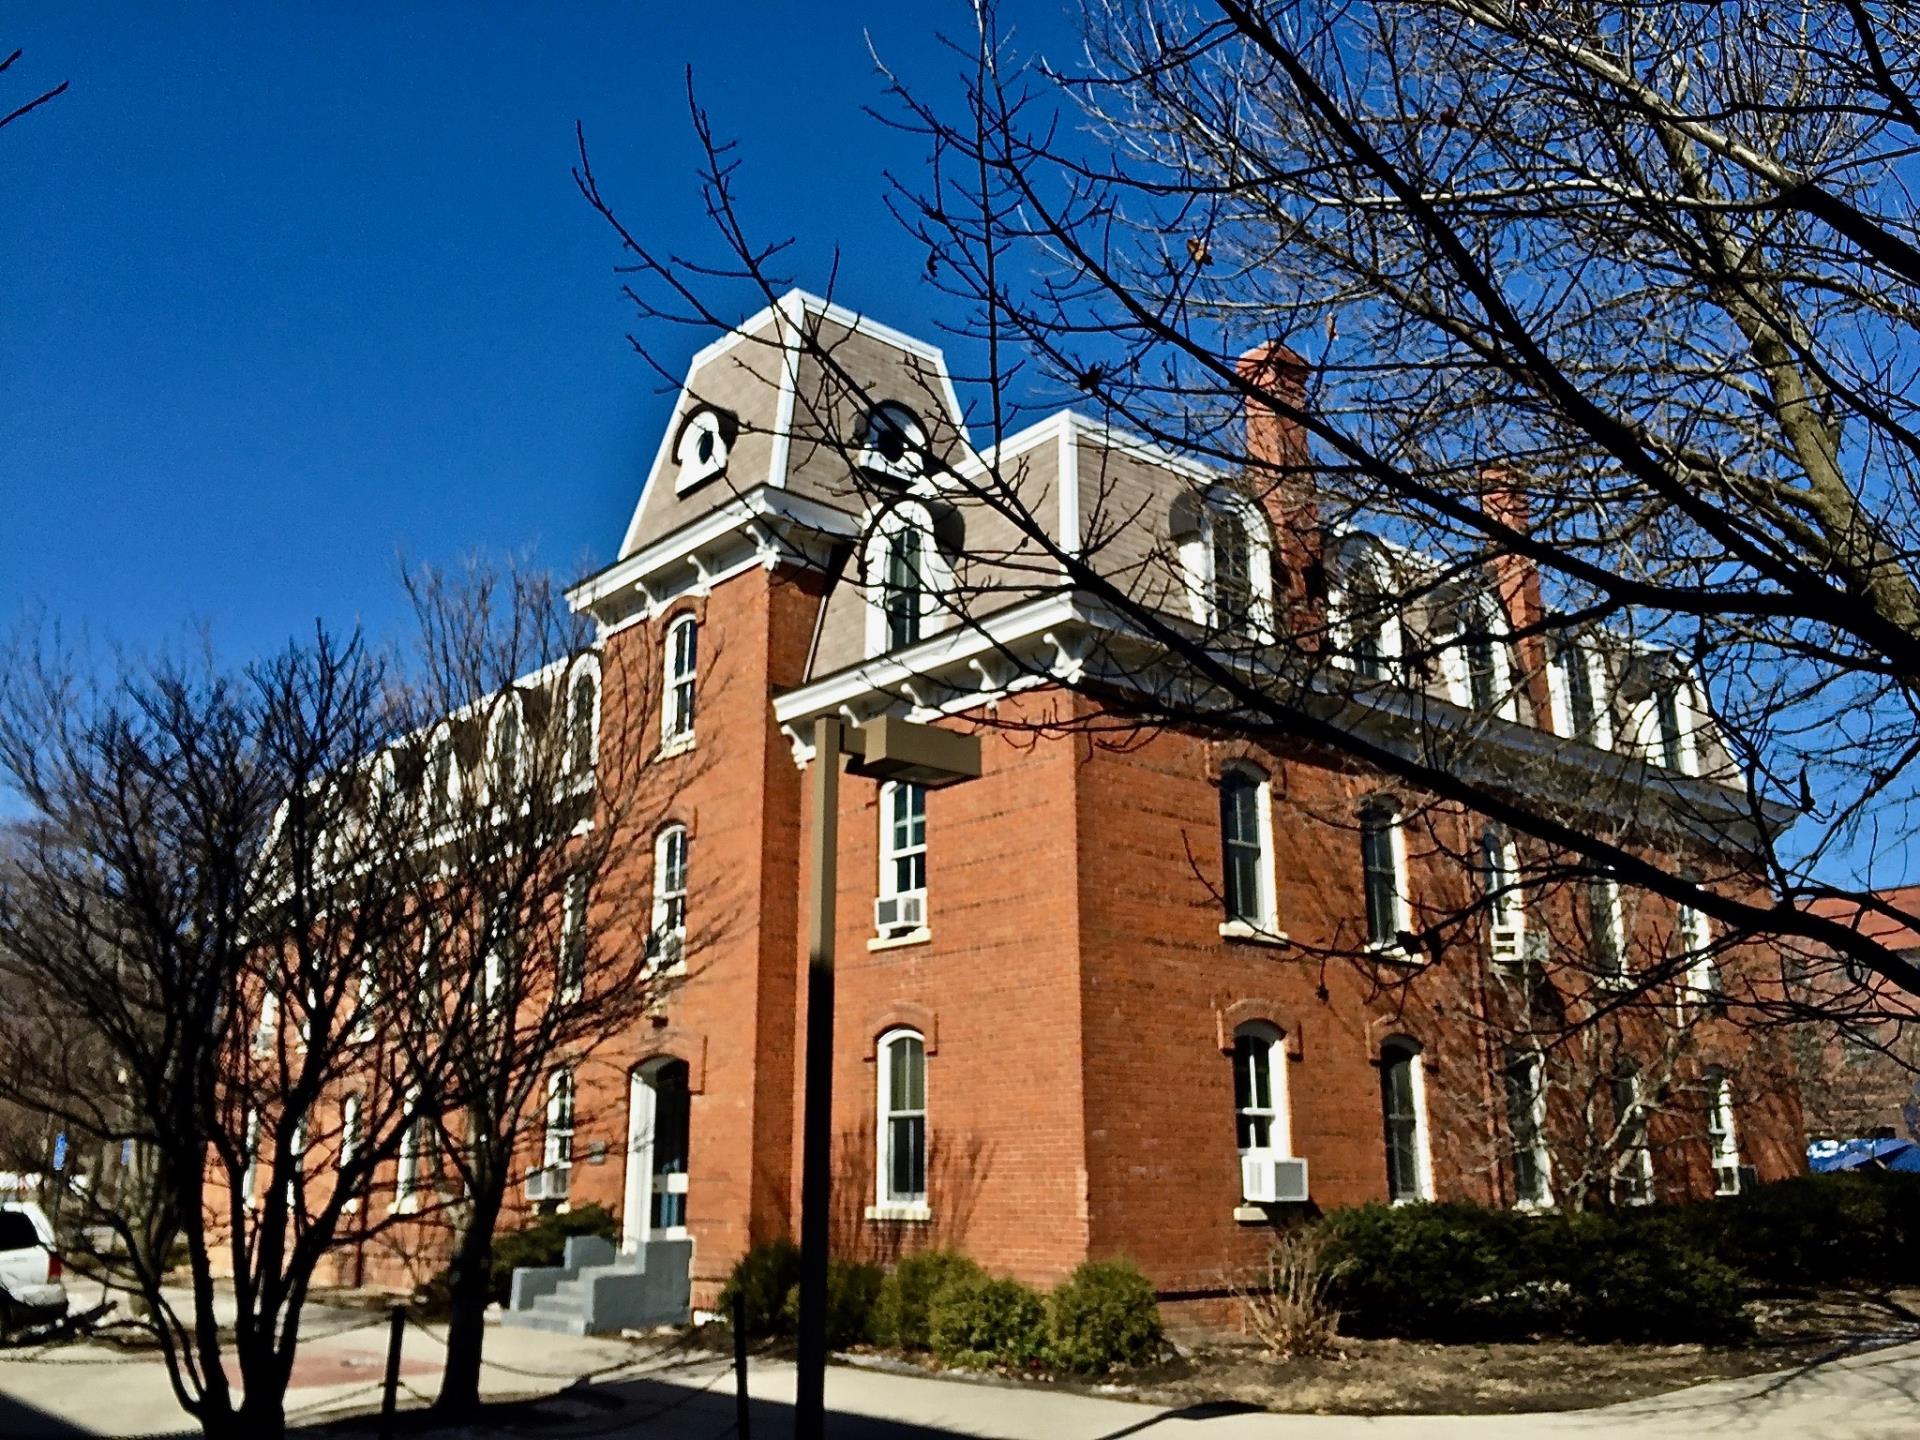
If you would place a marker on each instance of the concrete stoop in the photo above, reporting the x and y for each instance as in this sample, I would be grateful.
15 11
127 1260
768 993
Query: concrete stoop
597 1290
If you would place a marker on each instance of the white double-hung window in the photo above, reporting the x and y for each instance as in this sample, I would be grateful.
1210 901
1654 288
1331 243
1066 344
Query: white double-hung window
902 1130
1263 1129
902 906
1723 1139
556 1154
1246 848
682 665
669 896
1383 864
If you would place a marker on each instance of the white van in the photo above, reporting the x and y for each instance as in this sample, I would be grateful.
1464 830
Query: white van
31 1292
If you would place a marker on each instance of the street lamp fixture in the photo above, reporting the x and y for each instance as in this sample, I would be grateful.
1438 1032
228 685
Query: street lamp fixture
886 749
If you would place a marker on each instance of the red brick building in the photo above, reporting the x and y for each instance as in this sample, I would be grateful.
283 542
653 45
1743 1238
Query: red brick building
1086 1002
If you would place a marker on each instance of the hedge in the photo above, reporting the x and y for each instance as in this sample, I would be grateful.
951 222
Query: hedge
978 1322
1103 1317
1861 1228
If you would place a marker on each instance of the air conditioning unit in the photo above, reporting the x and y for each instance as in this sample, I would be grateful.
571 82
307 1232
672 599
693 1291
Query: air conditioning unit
666 948
1273 1180
549 1183
1506 943
905 911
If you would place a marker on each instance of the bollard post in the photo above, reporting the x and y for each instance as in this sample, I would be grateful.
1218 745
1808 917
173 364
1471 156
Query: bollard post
740 1366
390 1394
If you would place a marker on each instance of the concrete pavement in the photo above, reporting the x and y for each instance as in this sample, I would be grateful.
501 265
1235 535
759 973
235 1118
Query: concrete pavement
613 1387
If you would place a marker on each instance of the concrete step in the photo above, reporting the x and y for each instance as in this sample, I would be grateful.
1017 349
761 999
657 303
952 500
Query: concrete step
562 1324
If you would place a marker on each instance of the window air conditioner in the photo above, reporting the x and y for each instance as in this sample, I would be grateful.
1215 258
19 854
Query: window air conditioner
905 911
1273 1180
665 948
1506 943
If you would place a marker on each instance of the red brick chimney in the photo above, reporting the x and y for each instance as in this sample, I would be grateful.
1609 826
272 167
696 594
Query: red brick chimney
1277 461
1517 583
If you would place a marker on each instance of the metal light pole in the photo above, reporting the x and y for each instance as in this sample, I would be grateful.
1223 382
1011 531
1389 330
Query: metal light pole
884 749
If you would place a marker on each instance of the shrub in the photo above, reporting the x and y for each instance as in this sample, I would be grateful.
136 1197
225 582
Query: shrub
900 1313
979 1322
544 1243
853 1290
760 1281
1447 1272
1288 1305
1814 1229
1102 1317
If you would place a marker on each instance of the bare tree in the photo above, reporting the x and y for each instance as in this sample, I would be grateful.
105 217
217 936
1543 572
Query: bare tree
193 922
27 107
535 952
1600 321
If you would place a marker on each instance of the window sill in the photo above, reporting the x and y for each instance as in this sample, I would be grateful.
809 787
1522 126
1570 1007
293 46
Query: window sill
1241 930
1392 952
694 478
902 1214
1245 1214
677 745
895 942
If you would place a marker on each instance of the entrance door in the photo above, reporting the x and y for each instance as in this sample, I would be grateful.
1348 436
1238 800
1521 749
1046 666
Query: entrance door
659 1112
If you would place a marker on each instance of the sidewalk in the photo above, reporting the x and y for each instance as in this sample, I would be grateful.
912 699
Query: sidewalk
614 1387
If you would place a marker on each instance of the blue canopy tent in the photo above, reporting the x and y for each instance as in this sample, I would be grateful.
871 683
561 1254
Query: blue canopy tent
1900 1156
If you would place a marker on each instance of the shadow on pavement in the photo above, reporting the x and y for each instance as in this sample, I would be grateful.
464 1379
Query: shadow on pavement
19 1421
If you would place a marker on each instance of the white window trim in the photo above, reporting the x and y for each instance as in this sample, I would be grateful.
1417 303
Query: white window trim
1542 1156
691 469
675 738
1453 660
510 704
1507 909
887 1206
573 936
1723 1134
662 895
1700 980
1197 552
441 806
556 1143
409 1190
911 464
1570 648
888 882
352 1117
1620 975
1266 925
587 671
1637 1157
1402 882
1280 1115
250 1153
1422 1132
266 1029
1369 578
936 575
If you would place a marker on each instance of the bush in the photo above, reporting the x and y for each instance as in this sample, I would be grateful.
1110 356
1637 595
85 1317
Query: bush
760 1280
853 1290
1815 1229
978 1322
1102 1317
544 1243
1448 1272
1288 1306
900 1313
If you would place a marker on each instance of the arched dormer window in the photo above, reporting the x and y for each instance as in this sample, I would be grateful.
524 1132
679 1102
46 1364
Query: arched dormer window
904 575
700 449
583 718
893 442
442 776
1474 659
1367 634
506 748
1226 561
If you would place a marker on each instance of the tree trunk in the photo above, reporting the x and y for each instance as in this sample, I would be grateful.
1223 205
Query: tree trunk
469 1287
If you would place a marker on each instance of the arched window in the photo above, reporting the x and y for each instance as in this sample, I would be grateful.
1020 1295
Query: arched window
1606 931
441 777
583 720
573 939
1500 884
1262 1126
903 578
700 451
1693 937
1246 844
1383 864
1479 674
556 1156
683 659
902 904
1226 554
1723 1139
505 749
1366 631
1633 1156
893 441
1403 1103
902 1130
1525 1078
1576 682
670 885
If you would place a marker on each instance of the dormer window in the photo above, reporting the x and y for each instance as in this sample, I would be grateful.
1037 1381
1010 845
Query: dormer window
903 572
701 448
504 749
893 442
1226 558
1366 632
1475 662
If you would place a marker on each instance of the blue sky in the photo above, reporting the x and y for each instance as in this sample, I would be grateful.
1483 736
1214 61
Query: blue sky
286 296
